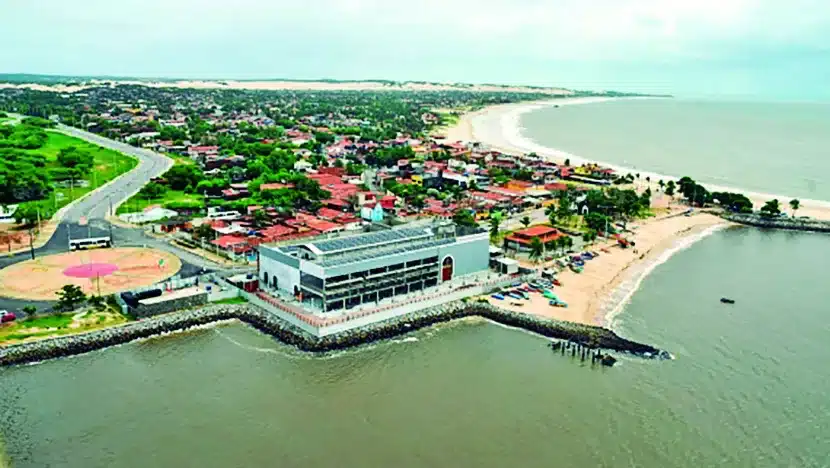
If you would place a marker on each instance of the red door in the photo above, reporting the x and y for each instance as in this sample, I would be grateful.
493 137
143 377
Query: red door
446 269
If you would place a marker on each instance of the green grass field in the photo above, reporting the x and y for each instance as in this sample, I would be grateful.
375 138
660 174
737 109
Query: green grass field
59 324
135 203
108 165
232 300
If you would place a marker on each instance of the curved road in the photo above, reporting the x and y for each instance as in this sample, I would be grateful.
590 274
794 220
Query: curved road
96 206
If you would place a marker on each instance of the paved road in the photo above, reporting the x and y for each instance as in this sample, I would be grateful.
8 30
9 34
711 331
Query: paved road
97 204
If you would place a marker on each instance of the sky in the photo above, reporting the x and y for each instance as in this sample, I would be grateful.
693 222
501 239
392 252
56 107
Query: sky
772 49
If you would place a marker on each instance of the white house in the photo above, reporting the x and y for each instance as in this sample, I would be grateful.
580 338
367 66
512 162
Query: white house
7 214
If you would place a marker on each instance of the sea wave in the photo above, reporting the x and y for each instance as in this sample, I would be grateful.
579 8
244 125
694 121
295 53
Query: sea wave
616 301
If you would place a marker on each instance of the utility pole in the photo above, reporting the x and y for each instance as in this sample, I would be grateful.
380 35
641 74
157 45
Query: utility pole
112 241
31 244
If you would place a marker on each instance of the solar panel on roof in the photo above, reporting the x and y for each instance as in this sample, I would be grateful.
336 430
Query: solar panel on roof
375 253
380 237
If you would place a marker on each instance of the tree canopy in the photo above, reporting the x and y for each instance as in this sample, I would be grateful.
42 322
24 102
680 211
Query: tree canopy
771 208
464 217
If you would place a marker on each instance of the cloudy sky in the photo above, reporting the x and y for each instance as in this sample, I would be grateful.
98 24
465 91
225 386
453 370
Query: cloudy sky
777 49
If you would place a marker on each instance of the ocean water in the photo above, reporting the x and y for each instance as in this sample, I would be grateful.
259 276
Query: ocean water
777 148
748 387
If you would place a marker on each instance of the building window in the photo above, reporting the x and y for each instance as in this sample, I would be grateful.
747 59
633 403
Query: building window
446 269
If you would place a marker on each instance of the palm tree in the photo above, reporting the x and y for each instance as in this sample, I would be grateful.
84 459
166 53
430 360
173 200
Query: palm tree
589 237
661 184
551 212
495 221
566 242
771 208
795 204
537 249
525 221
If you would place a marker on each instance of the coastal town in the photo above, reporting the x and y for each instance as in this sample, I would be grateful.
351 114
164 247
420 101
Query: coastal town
333 210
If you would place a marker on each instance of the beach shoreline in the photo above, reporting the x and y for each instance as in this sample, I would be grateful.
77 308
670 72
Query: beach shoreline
499 127
598 294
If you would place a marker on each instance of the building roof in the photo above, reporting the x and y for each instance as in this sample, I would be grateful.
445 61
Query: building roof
274 186
229 240
276 231
337 202
322 225
537 231
372 239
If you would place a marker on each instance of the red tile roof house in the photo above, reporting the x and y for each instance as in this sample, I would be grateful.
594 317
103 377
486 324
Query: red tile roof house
274 186
520 240
276 233
198 152
234 245
322 226
388 202
334 171
338 204
326 179
556 187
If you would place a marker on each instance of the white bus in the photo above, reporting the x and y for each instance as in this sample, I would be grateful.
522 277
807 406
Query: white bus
90 243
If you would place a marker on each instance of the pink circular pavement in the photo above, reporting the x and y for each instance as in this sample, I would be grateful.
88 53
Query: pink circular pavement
91 270
100 271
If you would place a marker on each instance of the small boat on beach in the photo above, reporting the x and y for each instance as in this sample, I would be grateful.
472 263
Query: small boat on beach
498 296
726 300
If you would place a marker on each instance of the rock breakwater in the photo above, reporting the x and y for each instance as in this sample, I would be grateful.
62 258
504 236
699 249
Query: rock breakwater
792 224
585 335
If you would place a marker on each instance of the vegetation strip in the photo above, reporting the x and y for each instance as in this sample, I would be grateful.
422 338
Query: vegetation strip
585 335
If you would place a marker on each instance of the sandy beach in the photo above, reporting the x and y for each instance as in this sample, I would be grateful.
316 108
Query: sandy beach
599 293
500 128
596 295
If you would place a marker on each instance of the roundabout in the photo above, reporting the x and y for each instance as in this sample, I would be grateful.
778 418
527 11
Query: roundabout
97 272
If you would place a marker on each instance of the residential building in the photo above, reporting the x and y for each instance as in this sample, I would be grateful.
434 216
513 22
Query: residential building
521 240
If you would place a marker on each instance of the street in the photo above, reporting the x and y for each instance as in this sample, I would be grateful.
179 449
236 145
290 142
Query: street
96 206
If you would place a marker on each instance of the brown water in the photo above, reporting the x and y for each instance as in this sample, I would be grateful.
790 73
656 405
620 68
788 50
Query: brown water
748 387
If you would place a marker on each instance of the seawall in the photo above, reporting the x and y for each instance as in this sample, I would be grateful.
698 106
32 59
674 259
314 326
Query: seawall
812 225
585 335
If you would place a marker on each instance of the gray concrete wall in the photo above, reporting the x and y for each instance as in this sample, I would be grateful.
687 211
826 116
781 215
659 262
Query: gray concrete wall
287 274
149 310
470 255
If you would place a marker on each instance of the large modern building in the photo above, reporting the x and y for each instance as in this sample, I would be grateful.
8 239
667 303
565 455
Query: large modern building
342 273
